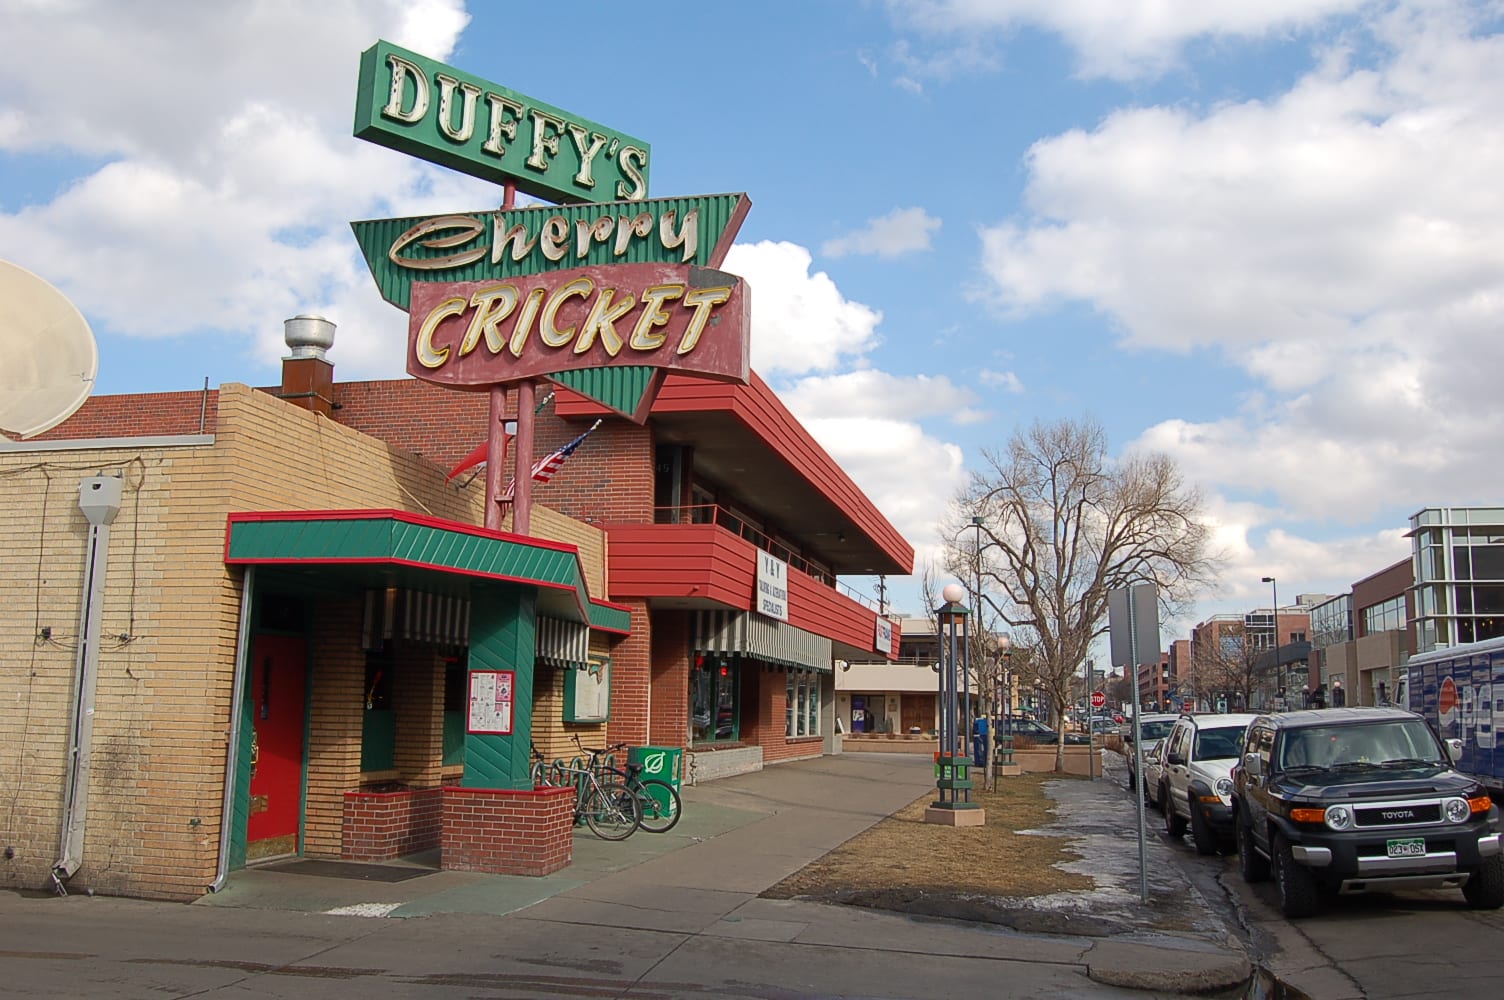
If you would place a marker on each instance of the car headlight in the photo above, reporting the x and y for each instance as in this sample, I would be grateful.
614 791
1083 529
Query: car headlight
1456 810
1224 787
1339 817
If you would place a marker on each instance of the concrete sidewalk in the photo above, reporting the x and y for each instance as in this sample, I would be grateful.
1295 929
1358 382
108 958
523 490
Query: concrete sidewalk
741 835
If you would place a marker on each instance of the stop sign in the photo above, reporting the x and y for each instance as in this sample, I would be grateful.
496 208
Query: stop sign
1098 699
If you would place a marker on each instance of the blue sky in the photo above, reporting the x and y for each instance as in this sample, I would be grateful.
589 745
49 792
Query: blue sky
1264 238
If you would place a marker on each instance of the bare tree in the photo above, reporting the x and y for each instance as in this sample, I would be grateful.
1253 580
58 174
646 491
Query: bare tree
1063 524
1227 667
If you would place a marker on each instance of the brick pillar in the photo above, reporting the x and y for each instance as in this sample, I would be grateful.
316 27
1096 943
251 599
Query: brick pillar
418 694
631 681
669 724
336 707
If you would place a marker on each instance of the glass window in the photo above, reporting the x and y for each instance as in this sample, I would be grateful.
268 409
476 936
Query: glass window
1488 562
1218 744
1462 563
802 716
713 700
1335 746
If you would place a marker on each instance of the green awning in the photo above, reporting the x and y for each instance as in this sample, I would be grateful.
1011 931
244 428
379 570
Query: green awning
399 538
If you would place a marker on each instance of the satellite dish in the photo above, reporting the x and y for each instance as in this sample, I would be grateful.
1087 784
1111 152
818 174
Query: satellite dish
49 351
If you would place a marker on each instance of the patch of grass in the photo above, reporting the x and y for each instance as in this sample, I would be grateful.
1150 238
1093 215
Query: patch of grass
905 854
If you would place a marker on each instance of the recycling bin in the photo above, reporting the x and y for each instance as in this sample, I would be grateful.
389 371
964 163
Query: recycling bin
666 764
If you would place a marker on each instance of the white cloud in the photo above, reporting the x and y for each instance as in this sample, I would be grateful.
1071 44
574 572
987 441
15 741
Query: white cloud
901 231
227 164
1339 242
1007 381
800 321
1113 39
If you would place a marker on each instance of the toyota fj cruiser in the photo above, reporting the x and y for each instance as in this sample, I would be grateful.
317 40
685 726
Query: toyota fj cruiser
1357 800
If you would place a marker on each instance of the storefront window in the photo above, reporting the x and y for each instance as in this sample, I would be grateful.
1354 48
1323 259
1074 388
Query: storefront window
713 703
802 717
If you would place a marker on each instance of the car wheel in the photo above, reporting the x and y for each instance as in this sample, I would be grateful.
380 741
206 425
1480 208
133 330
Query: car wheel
1148 799
1253 865
1174 823
1484 889
1298 890
1202 834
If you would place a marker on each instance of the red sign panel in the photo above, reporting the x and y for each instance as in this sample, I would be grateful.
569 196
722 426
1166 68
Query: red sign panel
476 334
1098 699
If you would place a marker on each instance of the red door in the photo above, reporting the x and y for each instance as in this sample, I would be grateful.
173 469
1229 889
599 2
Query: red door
278 683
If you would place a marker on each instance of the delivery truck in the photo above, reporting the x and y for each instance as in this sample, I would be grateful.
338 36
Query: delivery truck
1460 691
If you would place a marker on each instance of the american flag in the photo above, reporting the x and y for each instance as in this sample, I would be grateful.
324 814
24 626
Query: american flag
545 467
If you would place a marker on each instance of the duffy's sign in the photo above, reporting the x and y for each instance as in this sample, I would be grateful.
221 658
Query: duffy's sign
434 112
679 317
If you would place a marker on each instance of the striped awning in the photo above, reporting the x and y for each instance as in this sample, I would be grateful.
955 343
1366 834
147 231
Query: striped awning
747 634
563 644
398 613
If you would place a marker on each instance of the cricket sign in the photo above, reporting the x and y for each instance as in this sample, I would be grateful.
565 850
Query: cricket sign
472 335
422 107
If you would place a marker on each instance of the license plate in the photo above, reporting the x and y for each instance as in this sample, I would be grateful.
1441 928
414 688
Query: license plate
1409 847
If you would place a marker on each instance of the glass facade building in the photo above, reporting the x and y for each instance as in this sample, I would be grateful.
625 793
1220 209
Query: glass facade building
1458 555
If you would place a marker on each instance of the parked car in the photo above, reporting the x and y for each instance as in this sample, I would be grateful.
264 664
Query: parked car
1196 786
1040 733
1154 769
1153 729
1361 800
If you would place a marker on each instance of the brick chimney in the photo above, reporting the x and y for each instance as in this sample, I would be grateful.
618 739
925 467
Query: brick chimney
307 374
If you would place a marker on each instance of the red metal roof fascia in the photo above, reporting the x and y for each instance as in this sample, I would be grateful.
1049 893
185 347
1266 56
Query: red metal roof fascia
760 409
719 566
680 560
423 520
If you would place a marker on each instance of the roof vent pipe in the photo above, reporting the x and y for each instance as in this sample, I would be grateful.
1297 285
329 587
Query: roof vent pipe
308 336
99 499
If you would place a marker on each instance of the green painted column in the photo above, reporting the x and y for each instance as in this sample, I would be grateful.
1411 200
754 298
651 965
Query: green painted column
503 626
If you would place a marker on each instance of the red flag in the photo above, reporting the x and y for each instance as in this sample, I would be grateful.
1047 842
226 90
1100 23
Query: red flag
470 461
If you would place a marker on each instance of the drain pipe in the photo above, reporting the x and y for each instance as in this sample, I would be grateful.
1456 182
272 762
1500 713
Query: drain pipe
99 499
232 750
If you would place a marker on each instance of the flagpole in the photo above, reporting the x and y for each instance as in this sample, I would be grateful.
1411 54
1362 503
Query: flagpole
496 429
522 473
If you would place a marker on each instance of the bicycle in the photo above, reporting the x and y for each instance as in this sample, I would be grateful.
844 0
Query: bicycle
610 809
660 802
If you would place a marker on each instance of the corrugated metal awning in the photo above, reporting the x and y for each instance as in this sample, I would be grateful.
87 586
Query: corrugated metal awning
747 634
563 644
398 613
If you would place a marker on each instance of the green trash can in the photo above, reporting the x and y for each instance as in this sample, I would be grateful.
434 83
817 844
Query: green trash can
666 764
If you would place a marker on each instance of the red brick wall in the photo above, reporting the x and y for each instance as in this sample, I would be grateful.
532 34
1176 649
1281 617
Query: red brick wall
668 724
383 825
147 414
508 832
630 677
765 716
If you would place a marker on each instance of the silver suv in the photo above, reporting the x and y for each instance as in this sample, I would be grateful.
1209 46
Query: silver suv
1196 786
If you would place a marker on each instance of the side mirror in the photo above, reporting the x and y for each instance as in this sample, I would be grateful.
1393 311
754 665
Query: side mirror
1454 750
1175 758
1253 764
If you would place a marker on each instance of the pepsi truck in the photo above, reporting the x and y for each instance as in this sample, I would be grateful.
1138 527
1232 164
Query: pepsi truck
1460 691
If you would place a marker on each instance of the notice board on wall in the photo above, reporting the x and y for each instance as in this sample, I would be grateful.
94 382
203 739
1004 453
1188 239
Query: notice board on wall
491 694
587 693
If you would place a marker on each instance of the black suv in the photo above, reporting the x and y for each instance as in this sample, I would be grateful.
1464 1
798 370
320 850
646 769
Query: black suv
1361 799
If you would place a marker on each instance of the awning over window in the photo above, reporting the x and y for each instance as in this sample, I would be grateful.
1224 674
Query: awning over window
748 634
563 644
397 613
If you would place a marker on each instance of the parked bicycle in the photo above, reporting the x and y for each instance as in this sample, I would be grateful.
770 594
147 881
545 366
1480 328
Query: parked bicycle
660 802
608 807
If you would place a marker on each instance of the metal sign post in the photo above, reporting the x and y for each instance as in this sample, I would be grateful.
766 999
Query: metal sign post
1133 615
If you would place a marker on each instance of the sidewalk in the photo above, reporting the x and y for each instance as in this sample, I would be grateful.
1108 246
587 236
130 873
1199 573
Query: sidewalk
741 835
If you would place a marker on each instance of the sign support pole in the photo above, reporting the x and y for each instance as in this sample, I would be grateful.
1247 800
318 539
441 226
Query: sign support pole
1138 747
496 455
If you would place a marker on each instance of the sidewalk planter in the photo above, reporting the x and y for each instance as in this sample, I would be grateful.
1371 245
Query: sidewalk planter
507 832
1042 759
893 743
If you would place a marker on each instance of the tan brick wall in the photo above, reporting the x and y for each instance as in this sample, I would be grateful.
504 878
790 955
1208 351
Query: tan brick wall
336 707
170 620
419 696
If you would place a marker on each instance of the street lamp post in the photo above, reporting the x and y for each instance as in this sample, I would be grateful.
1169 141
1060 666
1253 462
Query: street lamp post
1274 588
953 806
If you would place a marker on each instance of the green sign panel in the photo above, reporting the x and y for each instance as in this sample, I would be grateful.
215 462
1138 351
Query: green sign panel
493 244
432 111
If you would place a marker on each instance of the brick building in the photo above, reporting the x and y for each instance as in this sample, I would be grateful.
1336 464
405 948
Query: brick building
239 627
